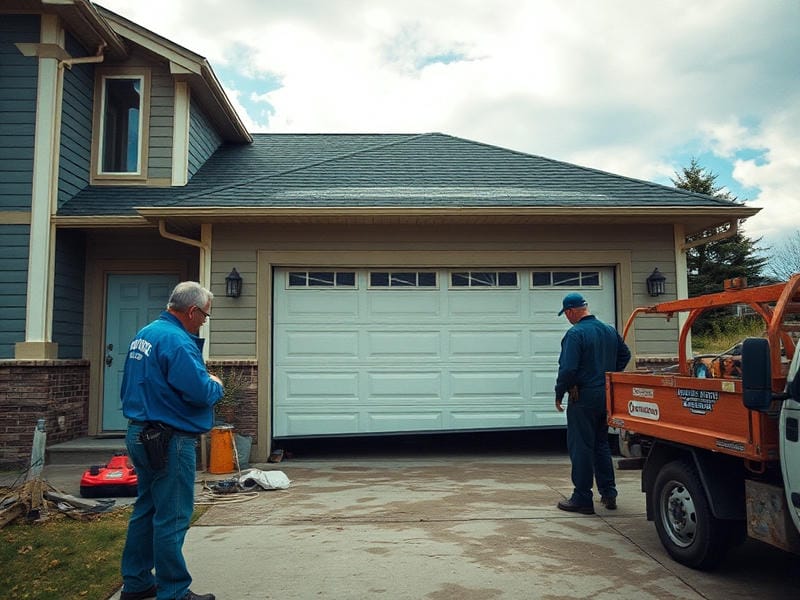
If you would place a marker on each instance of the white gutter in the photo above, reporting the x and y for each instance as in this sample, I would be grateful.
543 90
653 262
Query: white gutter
80 60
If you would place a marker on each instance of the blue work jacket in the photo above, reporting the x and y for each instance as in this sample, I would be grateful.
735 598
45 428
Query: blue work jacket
166 379
589 349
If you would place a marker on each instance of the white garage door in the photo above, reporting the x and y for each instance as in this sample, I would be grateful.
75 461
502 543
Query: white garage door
382 351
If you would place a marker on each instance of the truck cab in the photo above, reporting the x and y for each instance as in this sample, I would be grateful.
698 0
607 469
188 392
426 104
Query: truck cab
759 396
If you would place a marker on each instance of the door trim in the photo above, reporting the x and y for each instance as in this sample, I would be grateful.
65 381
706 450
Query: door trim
95 305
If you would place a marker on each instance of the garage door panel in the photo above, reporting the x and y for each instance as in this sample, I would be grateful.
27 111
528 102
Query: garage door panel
319 344
401 305
485 384
482 343
550 418
406 344
487 419
318 423
302 386
378 422
543 382
321 304
488 304
545 345
406 386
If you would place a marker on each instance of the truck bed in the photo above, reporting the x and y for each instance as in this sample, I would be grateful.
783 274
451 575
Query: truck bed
704 413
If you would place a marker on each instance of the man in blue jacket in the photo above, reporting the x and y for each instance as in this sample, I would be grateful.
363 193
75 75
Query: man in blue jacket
588 349
168 395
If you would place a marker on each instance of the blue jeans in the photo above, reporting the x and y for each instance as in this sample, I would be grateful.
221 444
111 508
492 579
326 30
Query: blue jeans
587 443
160 518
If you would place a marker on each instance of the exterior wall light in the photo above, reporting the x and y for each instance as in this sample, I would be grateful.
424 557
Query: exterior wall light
656 283
233 284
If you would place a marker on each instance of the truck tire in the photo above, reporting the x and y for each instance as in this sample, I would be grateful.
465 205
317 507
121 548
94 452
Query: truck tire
686 527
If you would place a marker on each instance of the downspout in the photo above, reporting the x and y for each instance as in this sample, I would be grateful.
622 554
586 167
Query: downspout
205 261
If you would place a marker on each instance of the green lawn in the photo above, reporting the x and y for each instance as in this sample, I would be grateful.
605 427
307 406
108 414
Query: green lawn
62 558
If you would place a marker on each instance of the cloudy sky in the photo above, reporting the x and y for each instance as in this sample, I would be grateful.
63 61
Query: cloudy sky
634 87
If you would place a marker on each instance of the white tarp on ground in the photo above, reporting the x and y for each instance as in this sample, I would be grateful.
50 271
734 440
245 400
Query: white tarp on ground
268 480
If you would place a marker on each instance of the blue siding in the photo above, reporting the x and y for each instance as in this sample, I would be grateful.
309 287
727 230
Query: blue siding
13 286
68 293
76 126
203 140
18 79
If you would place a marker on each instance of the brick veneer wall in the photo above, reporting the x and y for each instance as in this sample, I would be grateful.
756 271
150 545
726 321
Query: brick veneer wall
56 390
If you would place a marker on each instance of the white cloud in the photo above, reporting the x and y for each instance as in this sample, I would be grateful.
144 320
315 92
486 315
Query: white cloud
619 85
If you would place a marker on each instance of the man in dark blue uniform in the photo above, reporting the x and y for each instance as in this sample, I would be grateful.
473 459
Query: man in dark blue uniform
589 349
168 396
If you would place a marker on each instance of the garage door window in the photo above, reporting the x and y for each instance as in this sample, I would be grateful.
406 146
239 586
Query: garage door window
334 279
399 279
483 279
572 279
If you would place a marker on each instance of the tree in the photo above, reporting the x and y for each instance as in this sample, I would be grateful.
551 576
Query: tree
785 259
711 263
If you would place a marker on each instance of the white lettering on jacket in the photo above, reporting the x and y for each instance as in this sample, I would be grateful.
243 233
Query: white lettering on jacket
141 345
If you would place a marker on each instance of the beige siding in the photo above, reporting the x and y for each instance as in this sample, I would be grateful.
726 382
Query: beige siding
162 107
637 250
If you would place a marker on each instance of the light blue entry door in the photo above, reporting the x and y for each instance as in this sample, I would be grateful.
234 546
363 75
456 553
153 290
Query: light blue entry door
132 302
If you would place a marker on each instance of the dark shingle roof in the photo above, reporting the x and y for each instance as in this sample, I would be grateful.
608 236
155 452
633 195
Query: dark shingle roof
385 170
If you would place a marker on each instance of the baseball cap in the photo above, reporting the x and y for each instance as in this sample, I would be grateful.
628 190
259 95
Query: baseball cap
573 300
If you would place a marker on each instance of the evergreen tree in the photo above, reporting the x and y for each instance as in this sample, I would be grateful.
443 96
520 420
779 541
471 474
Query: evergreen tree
711 263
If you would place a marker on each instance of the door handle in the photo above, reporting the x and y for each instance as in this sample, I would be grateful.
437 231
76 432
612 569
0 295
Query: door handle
109 357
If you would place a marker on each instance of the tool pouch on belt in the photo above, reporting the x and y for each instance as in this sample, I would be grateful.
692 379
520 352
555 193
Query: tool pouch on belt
155 438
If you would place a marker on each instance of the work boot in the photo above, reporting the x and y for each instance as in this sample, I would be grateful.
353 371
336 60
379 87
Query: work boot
190 595
570 506
148 593
610 502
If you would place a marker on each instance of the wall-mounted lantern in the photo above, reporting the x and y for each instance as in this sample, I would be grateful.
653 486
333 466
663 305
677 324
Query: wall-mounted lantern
233 284
656 283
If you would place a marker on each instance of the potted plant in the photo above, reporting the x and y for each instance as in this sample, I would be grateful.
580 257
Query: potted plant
234 383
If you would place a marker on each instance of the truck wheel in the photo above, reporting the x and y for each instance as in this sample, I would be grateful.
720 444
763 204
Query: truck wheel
687 529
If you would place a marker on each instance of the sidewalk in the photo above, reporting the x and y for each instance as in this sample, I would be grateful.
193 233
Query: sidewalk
453 528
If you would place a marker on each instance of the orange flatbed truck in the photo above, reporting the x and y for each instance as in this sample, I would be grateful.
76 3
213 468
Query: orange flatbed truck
718 448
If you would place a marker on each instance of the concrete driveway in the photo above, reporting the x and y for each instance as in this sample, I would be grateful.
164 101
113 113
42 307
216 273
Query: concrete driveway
458 527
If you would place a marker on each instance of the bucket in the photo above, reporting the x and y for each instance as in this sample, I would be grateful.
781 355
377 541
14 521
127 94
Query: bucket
221 456
243 445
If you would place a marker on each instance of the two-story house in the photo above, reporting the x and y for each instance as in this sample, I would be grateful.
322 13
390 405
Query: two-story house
389 283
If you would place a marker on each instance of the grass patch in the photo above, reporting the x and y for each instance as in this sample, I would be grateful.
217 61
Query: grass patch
62 558
727 336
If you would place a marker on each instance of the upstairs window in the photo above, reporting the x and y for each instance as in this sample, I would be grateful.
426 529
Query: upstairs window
121 125
121 115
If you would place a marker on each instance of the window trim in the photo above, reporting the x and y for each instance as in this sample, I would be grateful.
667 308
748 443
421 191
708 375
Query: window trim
334 286
579 285
416 286
496 286
101 76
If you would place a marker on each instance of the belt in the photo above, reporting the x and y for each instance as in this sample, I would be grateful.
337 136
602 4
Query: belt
175 431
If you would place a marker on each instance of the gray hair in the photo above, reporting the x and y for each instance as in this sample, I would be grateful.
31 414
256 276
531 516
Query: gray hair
188 294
